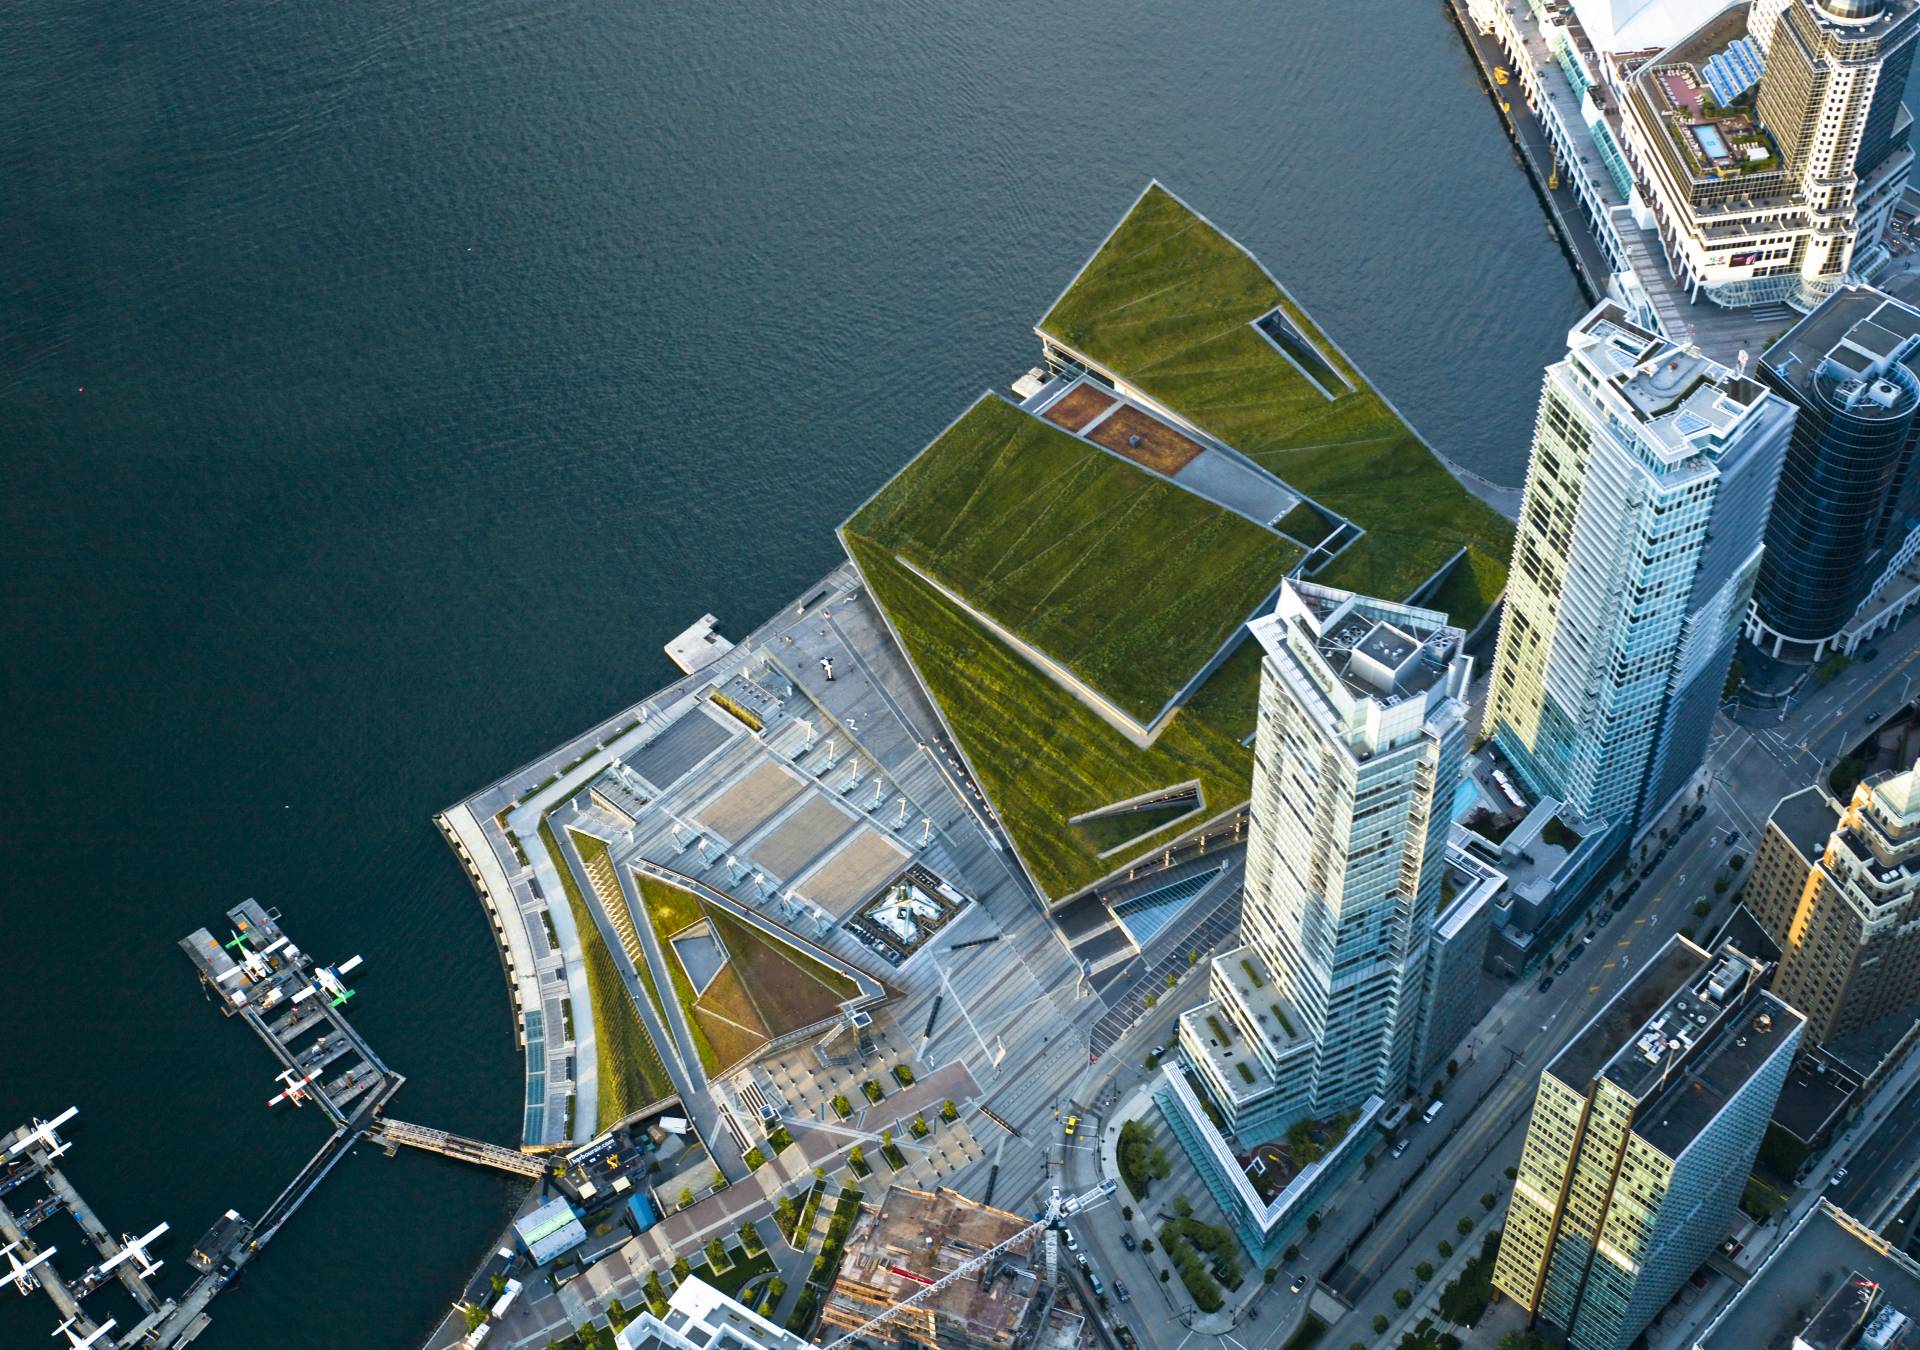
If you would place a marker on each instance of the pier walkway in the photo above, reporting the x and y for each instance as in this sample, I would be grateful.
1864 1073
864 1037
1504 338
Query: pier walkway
390 1133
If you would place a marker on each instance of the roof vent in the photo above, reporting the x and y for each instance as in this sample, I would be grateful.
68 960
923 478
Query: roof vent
1763 1023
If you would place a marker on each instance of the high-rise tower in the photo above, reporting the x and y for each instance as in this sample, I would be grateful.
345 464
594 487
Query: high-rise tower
1849 501
1836 71
1640 533
1363 730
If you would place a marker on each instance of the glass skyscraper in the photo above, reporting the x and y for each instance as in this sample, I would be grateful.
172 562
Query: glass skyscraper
1640 533
1847 500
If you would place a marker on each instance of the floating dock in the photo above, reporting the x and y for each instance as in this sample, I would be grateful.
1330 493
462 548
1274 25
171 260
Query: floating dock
294 1005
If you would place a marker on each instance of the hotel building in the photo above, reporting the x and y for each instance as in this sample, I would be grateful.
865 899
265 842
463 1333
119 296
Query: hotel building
1771 144
1641 1127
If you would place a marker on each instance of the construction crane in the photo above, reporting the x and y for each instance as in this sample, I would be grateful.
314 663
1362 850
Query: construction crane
1059 1210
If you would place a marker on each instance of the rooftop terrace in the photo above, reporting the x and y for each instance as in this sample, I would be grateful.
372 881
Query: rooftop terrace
1717 139
1683 403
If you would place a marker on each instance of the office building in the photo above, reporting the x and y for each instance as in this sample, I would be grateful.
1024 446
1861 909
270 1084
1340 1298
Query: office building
1640 533
1774 184
1843 529
1839 890
700 1317
1317 1013
1831 1283
1642 1127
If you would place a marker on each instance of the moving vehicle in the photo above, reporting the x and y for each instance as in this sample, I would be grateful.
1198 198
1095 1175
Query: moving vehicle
1073 1243
1120 1291
1073 1123
1126 1240
1839 1175
1299 1283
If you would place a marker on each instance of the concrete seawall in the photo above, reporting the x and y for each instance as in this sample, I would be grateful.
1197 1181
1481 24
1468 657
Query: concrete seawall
1571 234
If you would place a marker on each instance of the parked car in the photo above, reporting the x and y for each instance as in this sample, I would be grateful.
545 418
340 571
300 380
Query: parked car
1400 1148
1546 983
1126 1240
1561 969
1299 1283
1870 654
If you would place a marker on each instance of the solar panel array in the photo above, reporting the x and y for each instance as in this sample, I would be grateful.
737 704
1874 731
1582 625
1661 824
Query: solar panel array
1731 73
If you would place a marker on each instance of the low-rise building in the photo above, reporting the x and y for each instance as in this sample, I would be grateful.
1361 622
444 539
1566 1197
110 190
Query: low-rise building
1553 861
700 1317
549 1231
1469 896
1831 1283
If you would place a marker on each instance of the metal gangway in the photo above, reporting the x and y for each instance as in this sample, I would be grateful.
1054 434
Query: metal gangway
391 1133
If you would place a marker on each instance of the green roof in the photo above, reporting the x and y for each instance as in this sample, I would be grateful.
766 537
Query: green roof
1128 580
1125 579
1168 304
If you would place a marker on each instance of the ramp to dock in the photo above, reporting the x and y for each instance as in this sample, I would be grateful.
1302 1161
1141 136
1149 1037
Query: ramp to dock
456 1146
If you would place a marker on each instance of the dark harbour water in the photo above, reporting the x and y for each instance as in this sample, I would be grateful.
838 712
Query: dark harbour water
381 384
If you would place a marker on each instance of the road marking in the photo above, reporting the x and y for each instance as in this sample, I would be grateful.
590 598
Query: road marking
1593 989
1608 966
1624 942
1638 922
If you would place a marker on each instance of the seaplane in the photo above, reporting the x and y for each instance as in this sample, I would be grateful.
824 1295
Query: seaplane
254 965
75 1341
43 1135
20 1274
135 1250
329 980
293 1087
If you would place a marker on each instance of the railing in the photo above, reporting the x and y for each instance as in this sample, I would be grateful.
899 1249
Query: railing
474 1151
